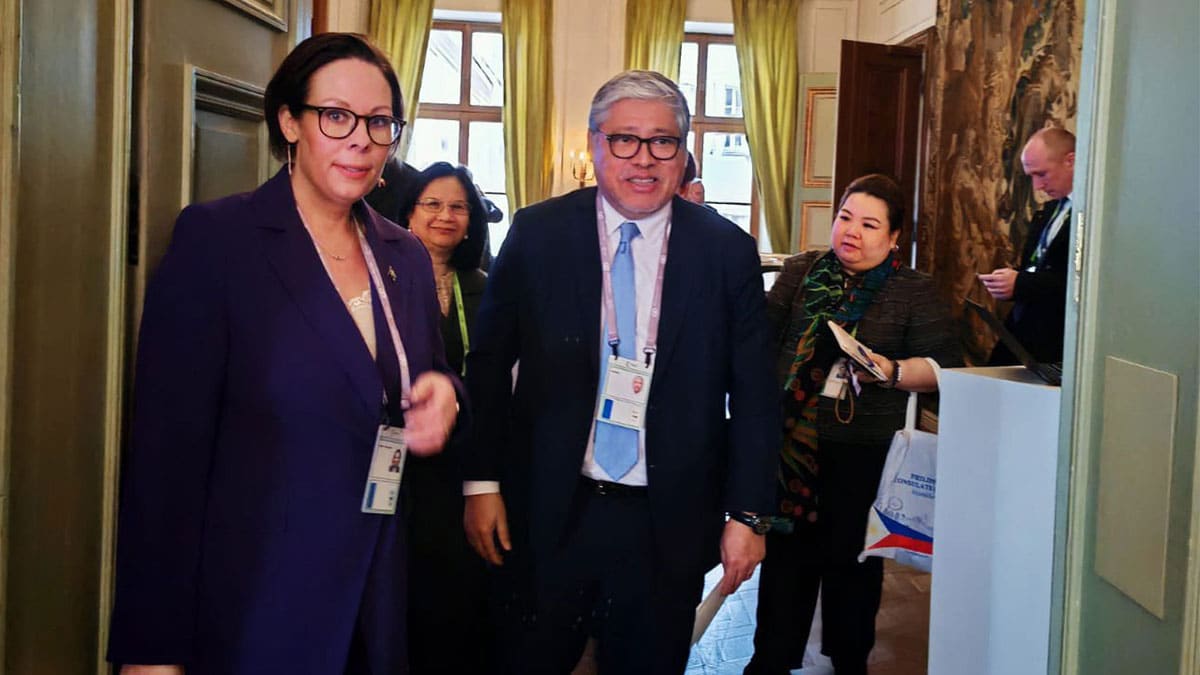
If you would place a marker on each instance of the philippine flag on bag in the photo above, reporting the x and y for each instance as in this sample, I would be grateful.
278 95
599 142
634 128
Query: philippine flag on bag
900 522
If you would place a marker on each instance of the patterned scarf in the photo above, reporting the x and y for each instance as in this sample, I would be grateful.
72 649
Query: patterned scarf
826 297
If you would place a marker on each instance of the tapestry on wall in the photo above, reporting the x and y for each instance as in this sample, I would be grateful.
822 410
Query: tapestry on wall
1000 71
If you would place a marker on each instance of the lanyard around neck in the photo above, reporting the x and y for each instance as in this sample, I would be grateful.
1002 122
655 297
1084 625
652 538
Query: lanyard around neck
1044 240
377 280
610 305
462 322
401 354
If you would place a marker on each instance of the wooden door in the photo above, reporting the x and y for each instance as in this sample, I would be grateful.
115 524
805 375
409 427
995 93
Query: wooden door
201 70
812 215
879 103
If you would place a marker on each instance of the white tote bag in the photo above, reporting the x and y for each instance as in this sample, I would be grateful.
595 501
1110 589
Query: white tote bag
900 522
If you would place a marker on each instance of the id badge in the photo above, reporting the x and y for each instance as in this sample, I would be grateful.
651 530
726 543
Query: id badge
626 390
837 380
382 493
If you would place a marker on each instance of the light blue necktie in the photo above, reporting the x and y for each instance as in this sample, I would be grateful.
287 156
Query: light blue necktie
616 447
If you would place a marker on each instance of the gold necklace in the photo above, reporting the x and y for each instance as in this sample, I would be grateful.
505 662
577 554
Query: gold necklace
331 254
320 248
444 283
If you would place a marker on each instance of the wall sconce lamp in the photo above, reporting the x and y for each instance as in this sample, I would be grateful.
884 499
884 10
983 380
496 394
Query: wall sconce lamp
582 169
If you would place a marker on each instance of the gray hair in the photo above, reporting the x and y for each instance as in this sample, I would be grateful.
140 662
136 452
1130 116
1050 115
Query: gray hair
640 85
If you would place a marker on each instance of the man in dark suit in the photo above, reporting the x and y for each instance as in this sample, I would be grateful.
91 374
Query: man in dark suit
1039 288
604 513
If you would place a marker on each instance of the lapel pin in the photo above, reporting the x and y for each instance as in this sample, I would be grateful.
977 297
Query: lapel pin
391 273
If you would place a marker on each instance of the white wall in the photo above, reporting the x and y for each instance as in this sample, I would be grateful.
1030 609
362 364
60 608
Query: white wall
823 26
825 23
891 21
469 5
349 15
713 11
589 48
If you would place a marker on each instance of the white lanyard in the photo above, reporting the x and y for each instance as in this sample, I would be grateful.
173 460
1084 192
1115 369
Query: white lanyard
1044 240
610 306
401 355
377 279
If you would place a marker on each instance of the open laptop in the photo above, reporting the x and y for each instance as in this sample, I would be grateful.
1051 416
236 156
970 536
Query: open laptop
1051 373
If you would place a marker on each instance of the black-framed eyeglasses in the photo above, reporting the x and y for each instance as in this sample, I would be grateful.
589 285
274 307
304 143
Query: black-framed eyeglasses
433 205
338 123
626 146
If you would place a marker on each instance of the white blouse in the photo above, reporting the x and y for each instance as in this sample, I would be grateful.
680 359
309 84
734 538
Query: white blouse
364 318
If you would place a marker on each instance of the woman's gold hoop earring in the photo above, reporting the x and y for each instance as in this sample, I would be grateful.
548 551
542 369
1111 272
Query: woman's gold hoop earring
382 182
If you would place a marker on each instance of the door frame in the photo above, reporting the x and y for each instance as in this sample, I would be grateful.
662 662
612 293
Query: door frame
120 93
1077 467
1190 658
115 36
1095 96
10 51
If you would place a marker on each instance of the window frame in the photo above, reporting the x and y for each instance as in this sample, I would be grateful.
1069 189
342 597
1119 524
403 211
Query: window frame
702 123
464 112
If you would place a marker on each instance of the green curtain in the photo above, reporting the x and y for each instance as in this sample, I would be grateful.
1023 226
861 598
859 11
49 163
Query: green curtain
654 34
528 100
764 32
401 29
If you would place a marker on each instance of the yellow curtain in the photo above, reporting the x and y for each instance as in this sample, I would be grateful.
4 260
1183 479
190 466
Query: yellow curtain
528 100
764 32
401 29
654 34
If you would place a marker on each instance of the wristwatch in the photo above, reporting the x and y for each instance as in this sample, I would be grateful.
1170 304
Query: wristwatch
759 524
896 375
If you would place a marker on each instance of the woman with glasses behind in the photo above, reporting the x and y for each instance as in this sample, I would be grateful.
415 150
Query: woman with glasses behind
289 355
447 610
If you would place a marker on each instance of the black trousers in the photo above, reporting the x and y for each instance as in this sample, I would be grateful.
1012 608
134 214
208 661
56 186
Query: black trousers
823 556
448 627
603 581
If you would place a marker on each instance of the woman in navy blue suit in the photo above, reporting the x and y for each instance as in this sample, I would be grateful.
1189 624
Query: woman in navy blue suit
289 345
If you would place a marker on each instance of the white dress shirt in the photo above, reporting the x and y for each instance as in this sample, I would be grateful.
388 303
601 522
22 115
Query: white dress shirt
645 249
1059 219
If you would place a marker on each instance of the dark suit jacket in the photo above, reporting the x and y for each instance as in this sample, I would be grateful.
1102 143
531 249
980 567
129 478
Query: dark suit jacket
1040 296
242 545
542 307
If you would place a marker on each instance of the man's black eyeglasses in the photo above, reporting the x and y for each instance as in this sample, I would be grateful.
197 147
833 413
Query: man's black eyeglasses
338 123
625 146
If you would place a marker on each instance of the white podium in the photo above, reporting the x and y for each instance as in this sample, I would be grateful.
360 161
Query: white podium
993 523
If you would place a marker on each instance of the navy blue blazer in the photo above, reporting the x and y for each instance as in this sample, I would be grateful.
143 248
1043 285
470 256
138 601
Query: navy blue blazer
242 545
542 307
1040 297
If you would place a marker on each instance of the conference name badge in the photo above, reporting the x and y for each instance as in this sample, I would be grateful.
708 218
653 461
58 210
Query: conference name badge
836 383
382 493
626 391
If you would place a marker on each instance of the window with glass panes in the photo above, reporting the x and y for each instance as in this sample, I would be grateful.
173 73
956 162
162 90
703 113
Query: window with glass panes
462 95
709 78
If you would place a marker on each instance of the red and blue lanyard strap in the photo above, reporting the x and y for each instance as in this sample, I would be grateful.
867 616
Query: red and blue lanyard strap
610 305
377 279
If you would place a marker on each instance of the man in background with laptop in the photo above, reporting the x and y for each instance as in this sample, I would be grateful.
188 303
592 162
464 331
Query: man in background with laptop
1039 287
